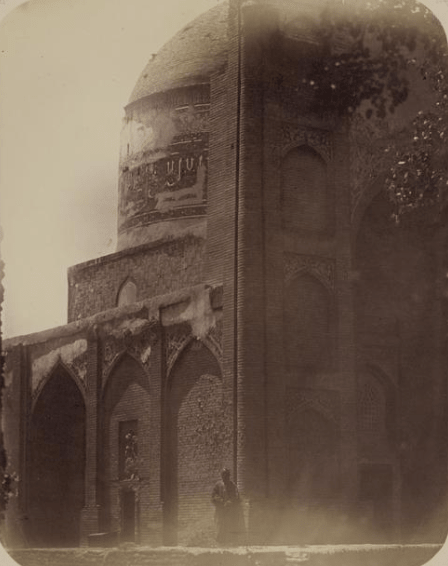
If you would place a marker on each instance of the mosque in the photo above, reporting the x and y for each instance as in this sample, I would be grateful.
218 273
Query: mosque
261 312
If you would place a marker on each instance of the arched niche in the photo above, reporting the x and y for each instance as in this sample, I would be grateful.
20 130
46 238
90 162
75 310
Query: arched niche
372 408
376 402
126 437
396 304
308 325
198 442
312 476
306 201
127 294
57 463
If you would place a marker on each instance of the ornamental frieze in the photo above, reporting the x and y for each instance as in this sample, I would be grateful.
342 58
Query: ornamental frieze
140 346
321 268
72 355
189 119
176 339
171 184
215 336
179 336
138 343
79 366
324 401
290 136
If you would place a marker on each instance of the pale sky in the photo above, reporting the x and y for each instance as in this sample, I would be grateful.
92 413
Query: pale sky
67 69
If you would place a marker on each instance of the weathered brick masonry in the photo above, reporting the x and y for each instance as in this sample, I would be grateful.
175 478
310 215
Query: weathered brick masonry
261 313
155 269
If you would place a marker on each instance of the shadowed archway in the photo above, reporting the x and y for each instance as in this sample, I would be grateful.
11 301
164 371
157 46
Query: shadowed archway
57 463
197 444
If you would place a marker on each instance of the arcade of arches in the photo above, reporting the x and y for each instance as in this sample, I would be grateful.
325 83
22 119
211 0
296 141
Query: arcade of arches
262 312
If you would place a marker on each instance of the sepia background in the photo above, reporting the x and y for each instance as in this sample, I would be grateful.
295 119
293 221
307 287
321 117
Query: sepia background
67 70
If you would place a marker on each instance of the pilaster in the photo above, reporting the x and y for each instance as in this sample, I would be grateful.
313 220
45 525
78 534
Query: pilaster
90 515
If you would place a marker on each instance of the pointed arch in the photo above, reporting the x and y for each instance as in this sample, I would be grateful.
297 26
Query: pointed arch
313 403
62 367
57 453
127 292
125 414
306 144
376 403
186 341
198 437
118 359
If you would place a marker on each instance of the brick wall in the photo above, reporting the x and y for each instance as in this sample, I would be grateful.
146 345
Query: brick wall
307 326
396 306
306 202
200 442
126 399
155 270
303 284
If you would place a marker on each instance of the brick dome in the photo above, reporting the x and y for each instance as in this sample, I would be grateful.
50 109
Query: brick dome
200 48
165 137
164 142
189 57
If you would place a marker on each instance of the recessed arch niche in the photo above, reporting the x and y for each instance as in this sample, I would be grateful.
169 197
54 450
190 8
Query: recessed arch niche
377 408
57 463
198 441
306 201
126 422
127 294
396 304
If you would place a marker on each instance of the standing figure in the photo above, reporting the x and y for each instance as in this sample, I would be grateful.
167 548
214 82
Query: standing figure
226 499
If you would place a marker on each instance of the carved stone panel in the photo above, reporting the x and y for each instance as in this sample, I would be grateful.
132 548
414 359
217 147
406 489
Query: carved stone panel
292 135
321 268
129 461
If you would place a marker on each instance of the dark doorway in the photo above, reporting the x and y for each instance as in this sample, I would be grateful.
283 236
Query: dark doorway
375 492
57 453
128 516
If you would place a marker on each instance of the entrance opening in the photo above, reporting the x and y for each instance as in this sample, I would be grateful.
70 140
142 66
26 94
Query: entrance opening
127 516
57 464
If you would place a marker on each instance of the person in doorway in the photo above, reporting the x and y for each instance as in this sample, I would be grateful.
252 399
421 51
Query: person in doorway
226 499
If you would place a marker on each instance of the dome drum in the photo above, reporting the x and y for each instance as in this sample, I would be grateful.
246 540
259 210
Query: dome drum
163 167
